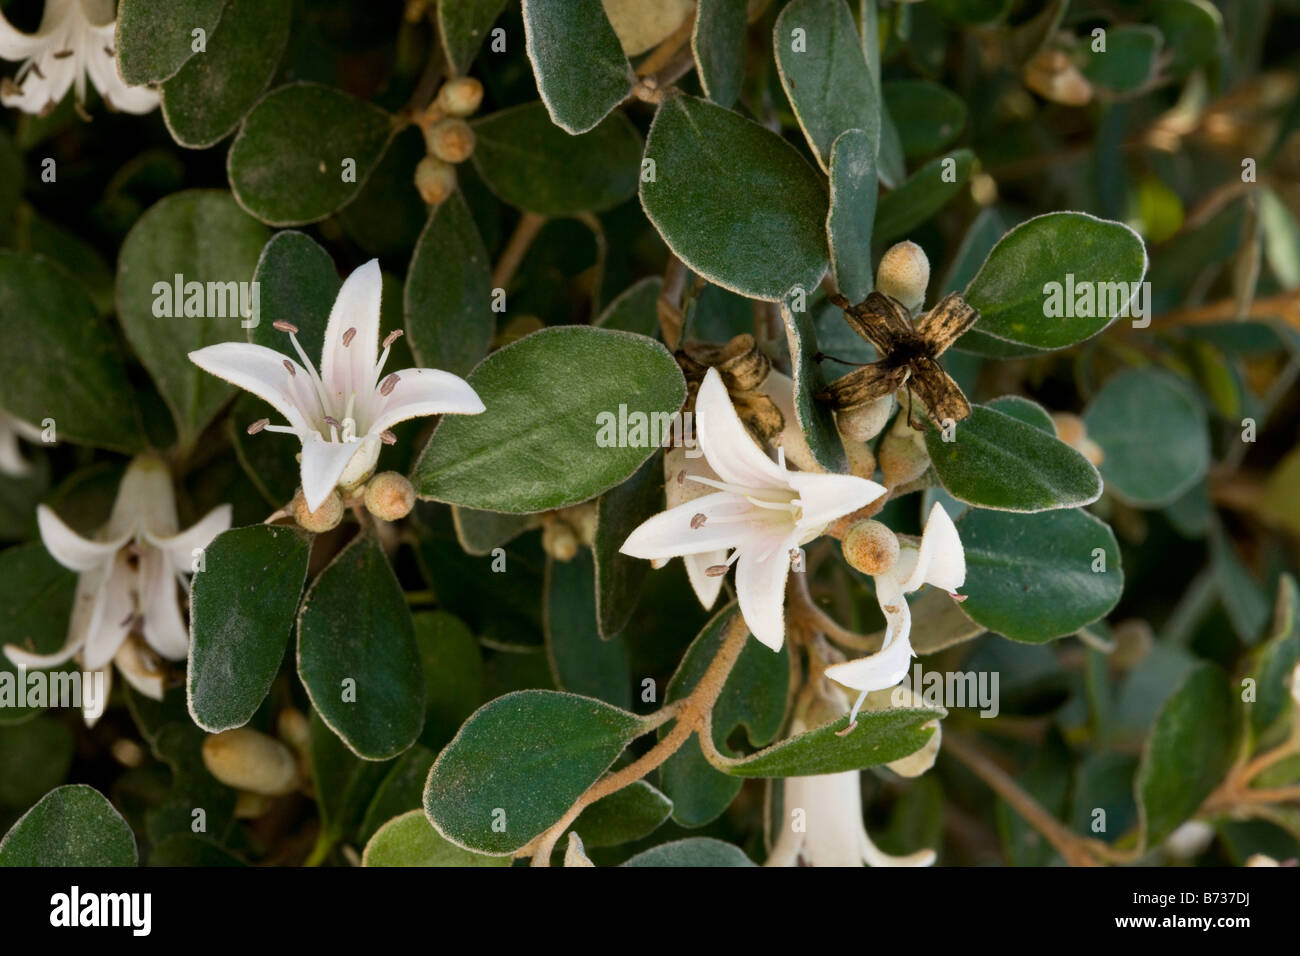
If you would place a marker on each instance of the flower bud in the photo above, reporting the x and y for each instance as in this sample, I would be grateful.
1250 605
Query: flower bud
902 460
1054 77
582 519
1071 430
389 496
293 728
559 541
862 460
325 518
864 422
870 547
450 139
461 96
435 180
247 759
903 274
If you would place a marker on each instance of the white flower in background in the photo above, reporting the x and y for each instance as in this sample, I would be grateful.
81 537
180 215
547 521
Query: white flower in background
12 462
829 832
128 579
938 560
342 415
760 511
75 41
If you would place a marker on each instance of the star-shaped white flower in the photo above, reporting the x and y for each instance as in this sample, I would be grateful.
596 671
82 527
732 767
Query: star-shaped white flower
938 560
12 462
75 41
760 511
343 414
128 578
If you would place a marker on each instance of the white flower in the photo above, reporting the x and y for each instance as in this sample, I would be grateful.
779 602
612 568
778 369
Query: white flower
343 414
760 511
75 40
12 462
829 831
128 579
938 560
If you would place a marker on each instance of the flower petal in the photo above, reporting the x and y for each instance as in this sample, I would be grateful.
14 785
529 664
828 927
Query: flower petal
348 369
706 586
323 463
163 627
876 857
262 371
12 462
16 45
942 560
760 588
887 666
69 548
670 534
727 445
827 497
179 549
134 664
113 616
423 391
101 66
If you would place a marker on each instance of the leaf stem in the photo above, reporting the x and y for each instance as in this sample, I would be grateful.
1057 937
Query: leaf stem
526 230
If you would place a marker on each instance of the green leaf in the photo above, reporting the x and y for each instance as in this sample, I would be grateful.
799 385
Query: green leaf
971 12
881 736
635 309
36 595
1154 434
924 193
718 42
242 608
1192 30
285 172
1024 410
693 851
401 790
1277 661
734 201
549 436
204 238
930 117
204 102
357 655
453 675
297 282
1242 598
825 74
997 461
184 849
533 164
70 826
519 763
11 184
1188 753
482 532
581 71
1129 61
1012 291
462 25
34 758
580 660
815 418
345 784
619 512
448 298
68 367
625 815
852 214
154 40
410 840
1036 577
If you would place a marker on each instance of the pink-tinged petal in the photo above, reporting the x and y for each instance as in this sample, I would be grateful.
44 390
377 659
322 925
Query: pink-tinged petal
680 531
323 463
423 391
760 587
706 586
346 369
727 445
134 664
69 548
179 549
163 627
941 560
877 857
889 665
263 371
113 617
827 497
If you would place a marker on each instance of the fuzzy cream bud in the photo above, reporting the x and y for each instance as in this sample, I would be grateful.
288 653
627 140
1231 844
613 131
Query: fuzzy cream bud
435 180
247 759
904 274
389 496
450 139
461 96
870 547
325 518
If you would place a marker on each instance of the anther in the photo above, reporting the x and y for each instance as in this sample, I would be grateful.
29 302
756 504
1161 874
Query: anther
62 54
332 422
698 520
386 387
258 425
289 366
282 326
393 336
716 570
388 437
348 336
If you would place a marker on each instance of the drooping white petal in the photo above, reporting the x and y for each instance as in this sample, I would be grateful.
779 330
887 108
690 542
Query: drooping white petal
348 369
133 662
420 392
941 561
69 548
12 462
113 616
887 666
323 463
163 627
832 805
876 857
16 45
825 497
179 548
262 371
101 65
669 534
706 586
730 450
145 500
761 574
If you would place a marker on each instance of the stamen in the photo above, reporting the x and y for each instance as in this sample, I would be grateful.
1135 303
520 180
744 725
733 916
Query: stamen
958 597
62 54
698 520
36 68
110 51
681 477
348 336
389 384
388 437
258 425
282 326
717 570
289 366
332 422
393 336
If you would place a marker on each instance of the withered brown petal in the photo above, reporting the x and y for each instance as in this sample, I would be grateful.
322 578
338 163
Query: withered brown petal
863 385
945 323
935 387
880 320
761 415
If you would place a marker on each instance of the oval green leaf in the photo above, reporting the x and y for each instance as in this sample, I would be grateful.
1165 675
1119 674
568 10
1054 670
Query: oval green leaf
70 826
410 840
577 59
922 195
